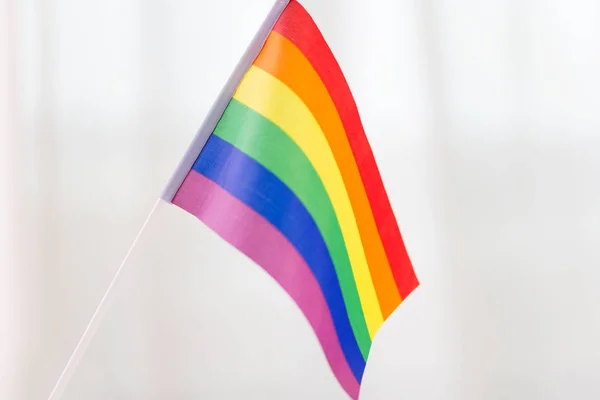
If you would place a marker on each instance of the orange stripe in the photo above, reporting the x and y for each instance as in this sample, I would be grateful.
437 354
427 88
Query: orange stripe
282 59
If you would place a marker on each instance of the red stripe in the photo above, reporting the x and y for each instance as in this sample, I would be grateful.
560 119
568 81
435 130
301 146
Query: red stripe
298 27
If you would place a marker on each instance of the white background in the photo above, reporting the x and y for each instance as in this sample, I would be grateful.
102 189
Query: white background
483 116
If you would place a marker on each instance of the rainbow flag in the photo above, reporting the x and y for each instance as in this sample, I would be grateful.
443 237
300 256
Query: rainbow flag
283 171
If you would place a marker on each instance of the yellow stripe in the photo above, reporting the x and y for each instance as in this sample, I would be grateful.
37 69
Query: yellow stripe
271 98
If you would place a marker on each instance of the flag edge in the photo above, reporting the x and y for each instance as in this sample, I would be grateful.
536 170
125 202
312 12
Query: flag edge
216 111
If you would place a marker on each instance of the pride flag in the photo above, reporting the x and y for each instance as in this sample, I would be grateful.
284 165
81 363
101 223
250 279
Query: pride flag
283 171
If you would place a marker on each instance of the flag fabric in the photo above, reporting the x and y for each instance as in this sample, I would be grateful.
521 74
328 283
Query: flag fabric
289 179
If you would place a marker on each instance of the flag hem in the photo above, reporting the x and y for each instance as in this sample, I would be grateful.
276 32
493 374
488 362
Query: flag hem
218 107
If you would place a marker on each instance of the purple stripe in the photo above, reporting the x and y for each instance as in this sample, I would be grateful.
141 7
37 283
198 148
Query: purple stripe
264 244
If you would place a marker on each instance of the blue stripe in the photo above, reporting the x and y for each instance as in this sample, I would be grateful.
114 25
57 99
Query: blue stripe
262 191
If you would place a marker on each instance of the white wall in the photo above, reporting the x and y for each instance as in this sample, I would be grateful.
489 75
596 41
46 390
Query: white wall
482 115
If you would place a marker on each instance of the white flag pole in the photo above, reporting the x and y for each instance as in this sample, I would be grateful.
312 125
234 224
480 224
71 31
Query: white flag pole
186 163
94 323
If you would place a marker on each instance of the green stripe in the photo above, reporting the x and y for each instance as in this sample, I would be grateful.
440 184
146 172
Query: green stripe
271 147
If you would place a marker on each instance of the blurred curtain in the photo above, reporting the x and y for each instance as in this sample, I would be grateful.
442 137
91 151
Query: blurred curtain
10 342
482 114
